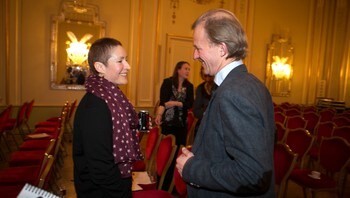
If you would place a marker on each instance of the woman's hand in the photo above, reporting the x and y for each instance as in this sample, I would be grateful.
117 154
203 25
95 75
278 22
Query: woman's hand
173 104
158 119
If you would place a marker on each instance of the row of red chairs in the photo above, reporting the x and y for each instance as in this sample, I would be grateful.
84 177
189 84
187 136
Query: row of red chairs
35 158
17 125
159 153
333 158
304 134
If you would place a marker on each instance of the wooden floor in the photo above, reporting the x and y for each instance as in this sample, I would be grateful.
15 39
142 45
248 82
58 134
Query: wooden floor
66 182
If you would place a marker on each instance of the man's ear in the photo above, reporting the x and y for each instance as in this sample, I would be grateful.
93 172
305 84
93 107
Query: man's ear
223 49
100 67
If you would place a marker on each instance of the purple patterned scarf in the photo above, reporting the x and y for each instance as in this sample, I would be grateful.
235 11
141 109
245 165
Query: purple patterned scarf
126 147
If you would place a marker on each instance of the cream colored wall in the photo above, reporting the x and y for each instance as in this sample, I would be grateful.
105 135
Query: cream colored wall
142 26
35 28
281 17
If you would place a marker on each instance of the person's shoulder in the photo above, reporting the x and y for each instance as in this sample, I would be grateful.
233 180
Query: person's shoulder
90 100
168 80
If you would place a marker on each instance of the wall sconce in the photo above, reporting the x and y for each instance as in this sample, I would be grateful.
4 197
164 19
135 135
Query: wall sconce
279 68
77 51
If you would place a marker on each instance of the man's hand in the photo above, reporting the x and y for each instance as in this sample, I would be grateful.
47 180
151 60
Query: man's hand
182 159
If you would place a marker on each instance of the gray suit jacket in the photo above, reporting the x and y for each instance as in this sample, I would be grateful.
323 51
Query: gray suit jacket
233 149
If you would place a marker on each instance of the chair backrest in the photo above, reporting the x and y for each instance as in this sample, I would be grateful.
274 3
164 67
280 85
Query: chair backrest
29 109
285 105
340 121
343 132
292 112
191 132
152 144
310 109
295 122
190 120
327 114
334 154
284 161
5 114
299 141
165 155
46 172
178 182
280 131
324 129
312 119
278 109
21 115
280 117
71 110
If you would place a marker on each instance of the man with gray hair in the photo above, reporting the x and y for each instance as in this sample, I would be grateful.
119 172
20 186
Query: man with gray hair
232 155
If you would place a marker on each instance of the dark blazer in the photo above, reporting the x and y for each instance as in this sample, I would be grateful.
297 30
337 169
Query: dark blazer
95 173
233 149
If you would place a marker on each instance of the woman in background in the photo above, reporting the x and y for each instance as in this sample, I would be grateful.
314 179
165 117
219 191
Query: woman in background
105 142
203 95
176 97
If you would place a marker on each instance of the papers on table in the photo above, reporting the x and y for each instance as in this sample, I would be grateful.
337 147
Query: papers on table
140 178
38 135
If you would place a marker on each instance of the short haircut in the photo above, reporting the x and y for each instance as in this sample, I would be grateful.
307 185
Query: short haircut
222 26
100 51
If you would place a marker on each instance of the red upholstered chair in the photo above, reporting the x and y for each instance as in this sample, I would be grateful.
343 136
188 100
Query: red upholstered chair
54 121
280 131
327 114
11 191
35 144
323 129
28 113
295 122
4 116
70 113
300 142
16 124
178 182
285 105
278 109
340 121
292 112
284 161
312 119
333 157
190 133
152 143
165 155
308 109
343 132
151 194
280 117
190 120
33 157
20 175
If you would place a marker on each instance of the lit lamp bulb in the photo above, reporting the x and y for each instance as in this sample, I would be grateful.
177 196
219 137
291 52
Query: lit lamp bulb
280 68
78 50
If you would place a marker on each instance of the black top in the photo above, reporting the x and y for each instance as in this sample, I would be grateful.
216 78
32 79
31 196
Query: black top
166 93
95 173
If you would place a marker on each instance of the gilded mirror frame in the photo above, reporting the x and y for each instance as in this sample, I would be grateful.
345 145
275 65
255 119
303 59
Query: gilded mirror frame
79 23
